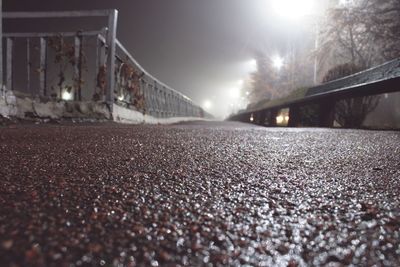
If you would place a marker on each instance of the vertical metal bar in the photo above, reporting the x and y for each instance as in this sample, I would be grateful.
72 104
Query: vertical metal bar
174 99
78 68
163 98
43 66
155 106
145 96
154 101
1 45
166 103
179 106
10 43
159 102
162 102
61 67
96 63
172 103
111 44
150 96
157 98
28 65
101 67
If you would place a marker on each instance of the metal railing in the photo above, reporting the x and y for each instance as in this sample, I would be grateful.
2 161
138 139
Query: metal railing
381 79
108 73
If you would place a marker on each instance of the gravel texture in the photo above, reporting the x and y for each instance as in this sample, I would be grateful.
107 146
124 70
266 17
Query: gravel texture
195 194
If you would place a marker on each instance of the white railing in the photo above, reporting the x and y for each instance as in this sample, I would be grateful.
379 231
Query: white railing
78 72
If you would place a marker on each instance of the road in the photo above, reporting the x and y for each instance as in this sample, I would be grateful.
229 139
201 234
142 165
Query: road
198 194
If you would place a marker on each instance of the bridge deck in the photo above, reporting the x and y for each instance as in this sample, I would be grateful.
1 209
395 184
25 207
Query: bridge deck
198 193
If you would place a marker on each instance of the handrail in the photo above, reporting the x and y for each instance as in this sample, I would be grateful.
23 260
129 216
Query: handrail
131 58
168 101
56 14
386 73
49 34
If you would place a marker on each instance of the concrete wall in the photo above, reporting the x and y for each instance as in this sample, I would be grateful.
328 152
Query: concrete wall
19 105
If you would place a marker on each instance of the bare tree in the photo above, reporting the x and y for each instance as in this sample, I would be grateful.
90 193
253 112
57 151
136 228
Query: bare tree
362 33
268 82
263 80
354 37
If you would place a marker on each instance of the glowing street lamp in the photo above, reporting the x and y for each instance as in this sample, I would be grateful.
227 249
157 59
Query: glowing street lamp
207 104
277 62
293 9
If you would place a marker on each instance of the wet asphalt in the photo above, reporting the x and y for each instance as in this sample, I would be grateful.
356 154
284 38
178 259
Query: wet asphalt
198 194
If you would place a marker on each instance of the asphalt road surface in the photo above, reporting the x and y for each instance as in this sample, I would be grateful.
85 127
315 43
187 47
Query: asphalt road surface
198 194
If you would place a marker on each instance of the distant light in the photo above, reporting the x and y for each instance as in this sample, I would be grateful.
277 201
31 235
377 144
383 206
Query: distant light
247 93
251 118
279 119
207 104
346 2
66 95
286 118
121 97
293 9
277 62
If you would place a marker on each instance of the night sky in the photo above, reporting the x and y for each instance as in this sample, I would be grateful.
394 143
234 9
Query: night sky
199 48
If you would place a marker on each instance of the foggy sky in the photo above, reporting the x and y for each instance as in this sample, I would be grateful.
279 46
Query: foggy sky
198 47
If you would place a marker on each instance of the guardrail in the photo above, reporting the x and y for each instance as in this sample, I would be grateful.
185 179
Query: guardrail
87 66
381 79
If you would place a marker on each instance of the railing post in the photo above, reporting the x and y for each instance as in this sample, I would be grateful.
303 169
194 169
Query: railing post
1 45
157 93
101 69
326 113
272 118
260 117
111 46
10 44
150 101
78 68
28 65
43 66
294 116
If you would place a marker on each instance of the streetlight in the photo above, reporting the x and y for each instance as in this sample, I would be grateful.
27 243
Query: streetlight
277 62
207 104
293 9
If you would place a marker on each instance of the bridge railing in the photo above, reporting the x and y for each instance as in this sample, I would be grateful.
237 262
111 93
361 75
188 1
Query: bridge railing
86 66
377 80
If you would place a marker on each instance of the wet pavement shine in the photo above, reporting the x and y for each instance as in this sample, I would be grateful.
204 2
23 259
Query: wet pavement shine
198 194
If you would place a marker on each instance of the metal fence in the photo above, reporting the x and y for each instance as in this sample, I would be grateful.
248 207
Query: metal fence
86 66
